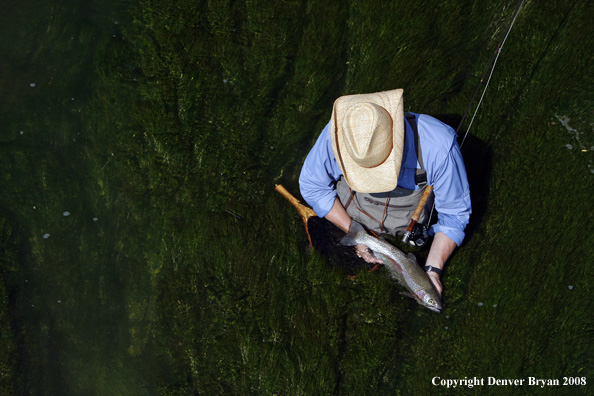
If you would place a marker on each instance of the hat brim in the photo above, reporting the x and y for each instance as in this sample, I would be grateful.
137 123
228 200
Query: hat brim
383 177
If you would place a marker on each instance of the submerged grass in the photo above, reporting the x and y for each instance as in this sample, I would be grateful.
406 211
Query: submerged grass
161 130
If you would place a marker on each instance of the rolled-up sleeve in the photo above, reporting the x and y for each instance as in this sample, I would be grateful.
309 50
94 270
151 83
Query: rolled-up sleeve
452 194
319 174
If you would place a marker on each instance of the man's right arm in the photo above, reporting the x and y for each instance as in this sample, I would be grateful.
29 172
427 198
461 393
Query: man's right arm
317 185
319 174
338 216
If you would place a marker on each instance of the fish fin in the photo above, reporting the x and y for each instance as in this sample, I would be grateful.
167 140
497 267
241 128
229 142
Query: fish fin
350 239
407 294
412 257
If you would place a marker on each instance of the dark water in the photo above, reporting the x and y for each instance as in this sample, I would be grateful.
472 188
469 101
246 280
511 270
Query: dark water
70 311
144 251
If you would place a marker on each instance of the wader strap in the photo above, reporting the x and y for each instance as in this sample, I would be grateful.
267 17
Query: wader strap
421 174
346 206
381 223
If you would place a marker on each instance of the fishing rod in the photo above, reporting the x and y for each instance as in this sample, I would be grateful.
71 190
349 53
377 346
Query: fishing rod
416 234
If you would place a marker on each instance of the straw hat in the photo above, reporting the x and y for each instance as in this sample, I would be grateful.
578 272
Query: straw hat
367 134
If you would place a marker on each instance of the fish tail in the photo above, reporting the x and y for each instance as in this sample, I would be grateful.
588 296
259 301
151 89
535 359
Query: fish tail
350 239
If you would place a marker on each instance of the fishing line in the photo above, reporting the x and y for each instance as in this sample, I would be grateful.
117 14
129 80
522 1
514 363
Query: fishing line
491 67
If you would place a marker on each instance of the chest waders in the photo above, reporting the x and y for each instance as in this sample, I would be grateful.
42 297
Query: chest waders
388 212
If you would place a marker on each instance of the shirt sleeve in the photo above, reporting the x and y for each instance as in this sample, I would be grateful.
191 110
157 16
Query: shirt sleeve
452 194
319 174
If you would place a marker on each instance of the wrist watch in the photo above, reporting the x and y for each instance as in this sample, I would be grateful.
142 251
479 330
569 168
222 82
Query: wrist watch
430 268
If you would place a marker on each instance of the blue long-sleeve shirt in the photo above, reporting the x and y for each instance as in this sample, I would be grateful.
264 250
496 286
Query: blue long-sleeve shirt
442 161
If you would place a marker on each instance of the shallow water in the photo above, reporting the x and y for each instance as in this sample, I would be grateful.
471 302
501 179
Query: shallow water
144 250
70 309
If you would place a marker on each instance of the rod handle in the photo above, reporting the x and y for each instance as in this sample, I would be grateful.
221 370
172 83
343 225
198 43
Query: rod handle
419 209
422 203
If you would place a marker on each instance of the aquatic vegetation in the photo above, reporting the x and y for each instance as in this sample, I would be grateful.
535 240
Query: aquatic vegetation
143 249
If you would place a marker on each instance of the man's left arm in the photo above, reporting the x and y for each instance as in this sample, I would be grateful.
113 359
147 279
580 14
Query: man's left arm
441 249
452 202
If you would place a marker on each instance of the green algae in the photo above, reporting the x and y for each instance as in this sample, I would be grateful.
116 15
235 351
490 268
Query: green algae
162 128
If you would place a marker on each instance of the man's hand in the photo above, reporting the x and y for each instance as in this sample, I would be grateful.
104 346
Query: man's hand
364 252
441 249
339 217
434 278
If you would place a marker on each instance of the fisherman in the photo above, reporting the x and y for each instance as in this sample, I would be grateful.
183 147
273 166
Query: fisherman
370 165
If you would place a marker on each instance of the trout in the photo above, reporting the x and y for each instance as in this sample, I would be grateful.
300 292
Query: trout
404 268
